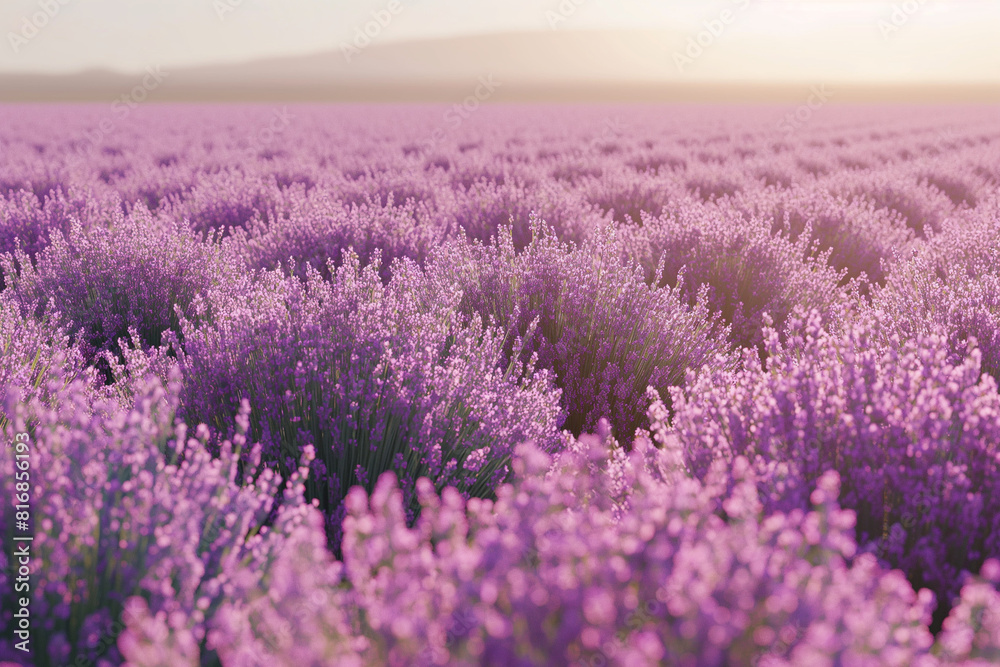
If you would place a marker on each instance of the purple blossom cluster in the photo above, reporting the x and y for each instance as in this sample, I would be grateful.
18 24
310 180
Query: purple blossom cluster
31 350
587 315
374 377
136 272
860 237
566 385
320 228
955 278
130 510
745 272
915 436
27 222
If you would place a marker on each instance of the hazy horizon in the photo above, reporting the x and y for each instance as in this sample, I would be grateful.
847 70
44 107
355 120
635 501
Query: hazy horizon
774 41
413 50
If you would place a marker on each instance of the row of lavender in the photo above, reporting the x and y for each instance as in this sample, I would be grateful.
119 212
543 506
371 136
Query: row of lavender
776 313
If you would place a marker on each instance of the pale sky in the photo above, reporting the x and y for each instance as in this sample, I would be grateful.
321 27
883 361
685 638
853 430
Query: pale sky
856 40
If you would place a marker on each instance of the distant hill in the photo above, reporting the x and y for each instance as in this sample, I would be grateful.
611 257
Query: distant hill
542 66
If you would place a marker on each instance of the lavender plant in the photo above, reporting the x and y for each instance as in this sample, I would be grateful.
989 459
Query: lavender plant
955 281
136 273
923 206
373 376
27 222
913 435
229 200
125 504
747 272
33 352
603 332
321 228
861 239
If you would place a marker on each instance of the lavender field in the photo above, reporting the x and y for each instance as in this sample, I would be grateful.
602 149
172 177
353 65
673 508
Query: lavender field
528 385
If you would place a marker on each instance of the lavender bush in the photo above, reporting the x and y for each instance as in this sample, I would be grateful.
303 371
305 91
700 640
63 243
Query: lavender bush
137 273
914 437
371 376
748 272
27 222
860 238
955 281
321 229
603 332
126 504
33 353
